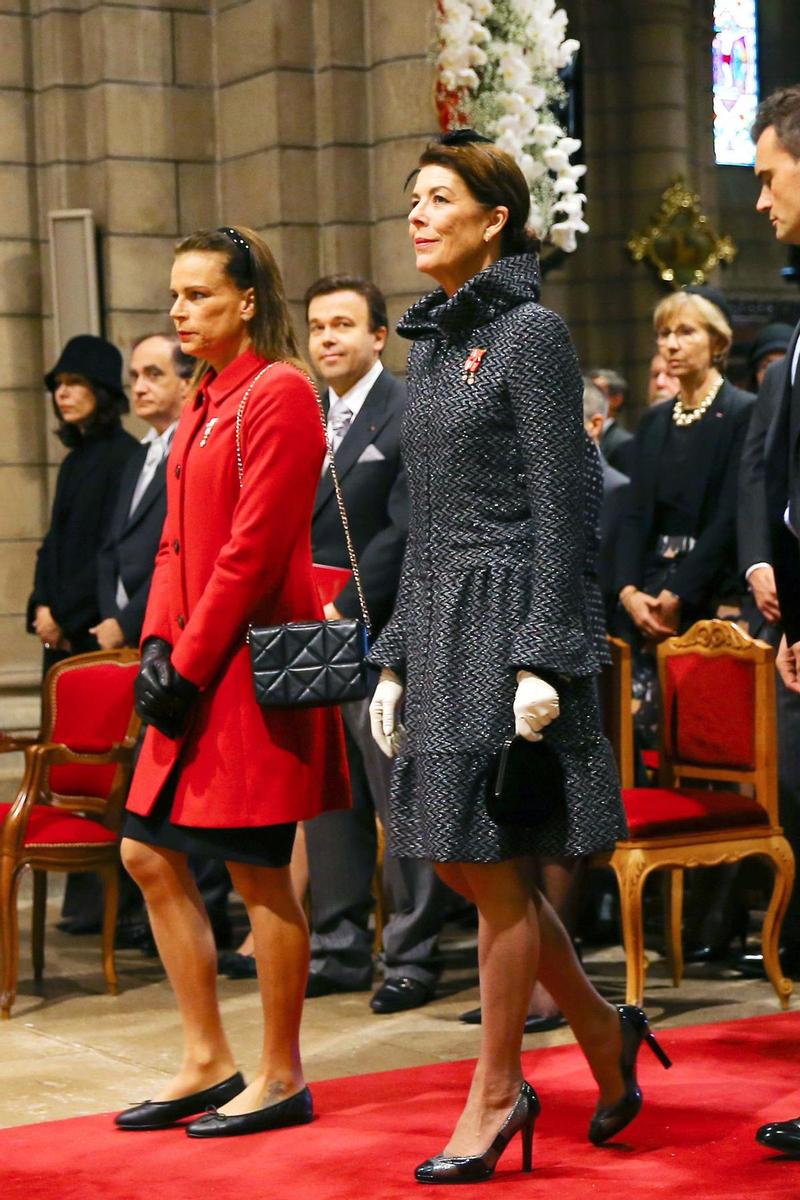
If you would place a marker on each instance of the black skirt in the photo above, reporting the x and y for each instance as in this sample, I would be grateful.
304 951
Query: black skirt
259 845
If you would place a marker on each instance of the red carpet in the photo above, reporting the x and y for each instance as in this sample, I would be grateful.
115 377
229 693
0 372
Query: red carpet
694 1138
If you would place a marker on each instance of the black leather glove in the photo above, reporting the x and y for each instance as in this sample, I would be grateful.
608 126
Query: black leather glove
151 694
154 648
163 697
184 695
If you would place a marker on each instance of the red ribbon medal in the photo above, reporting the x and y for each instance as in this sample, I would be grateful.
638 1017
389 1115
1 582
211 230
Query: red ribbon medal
473 361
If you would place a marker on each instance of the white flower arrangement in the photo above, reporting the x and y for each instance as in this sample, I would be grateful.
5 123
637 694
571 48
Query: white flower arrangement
497 69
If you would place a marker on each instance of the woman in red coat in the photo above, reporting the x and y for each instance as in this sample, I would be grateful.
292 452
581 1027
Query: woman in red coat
218 775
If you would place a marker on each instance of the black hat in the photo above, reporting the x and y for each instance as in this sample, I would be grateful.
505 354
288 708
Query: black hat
775 336
713 296
94 358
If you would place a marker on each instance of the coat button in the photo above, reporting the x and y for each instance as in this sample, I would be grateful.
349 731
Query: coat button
181 620
176 546
177 470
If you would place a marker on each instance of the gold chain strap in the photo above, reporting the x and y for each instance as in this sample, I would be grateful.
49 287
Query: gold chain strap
351 553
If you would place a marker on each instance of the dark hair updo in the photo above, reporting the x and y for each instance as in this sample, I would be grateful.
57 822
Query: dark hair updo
493 178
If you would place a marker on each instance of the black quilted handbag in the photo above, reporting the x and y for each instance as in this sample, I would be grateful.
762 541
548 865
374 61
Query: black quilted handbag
305 664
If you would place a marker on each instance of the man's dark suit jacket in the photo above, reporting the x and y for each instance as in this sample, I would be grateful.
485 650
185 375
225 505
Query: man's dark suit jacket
753 533
717 452
130 549
782 482
376 498
617 447
616 489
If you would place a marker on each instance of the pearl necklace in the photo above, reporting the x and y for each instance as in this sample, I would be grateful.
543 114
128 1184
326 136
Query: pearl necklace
687 416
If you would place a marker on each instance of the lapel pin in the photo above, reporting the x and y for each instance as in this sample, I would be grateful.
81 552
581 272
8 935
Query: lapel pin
471 364
208 431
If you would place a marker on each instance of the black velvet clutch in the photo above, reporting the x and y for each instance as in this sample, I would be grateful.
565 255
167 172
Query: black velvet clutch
528 784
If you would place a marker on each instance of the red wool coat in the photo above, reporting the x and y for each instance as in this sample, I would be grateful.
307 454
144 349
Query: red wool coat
229 557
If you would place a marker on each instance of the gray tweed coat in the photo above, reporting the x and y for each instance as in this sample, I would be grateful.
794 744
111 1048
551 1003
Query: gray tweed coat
499 572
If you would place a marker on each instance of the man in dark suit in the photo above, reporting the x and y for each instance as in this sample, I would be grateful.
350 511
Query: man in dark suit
615 492
159 374
347 329
763 614
776 133
616 443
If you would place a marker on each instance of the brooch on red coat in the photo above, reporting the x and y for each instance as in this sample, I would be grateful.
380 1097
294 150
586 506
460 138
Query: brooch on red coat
208 431
471 364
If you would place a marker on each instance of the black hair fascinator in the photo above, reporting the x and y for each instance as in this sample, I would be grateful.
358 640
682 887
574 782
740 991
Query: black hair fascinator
463 137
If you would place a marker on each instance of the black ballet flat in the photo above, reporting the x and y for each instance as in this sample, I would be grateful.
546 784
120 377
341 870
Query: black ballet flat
610 1120
162 1114
781 1135
296 1110
479 1167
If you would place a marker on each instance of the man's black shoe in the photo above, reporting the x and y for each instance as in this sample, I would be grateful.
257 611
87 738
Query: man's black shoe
239 966
399 993
534 1022
321 985
781 1135
136 937
699 955
751 966
78 927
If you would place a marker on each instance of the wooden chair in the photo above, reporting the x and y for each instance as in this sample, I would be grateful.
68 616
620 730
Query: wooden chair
718 727
68 808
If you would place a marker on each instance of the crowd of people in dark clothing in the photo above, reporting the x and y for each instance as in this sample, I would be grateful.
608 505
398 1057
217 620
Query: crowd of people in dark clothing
682 537
476 533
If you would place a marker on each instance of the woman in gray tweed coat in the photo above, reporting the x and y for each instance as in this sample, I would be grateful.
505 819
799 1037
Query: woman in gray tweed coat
499 627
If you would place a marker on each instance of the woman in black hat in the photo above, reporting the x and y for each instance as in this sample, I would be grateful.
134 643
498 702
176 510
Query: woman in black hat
86 388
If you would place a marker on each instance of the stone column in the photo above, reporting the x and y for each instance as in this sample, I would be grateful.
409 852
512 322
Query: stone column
403 118
22 415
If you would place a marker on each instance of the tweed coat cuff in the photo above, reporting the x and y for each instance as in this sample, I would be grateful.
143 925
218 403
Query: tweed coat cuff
553 651
389 651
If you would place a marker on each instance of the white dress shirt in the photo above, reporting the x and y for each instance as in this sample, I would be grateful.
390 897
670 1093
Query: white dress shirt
354 398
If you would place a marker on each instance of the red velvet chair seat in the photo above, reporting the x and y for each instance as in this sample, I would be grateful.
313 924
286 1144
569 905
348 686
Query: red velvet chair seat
49 826
659 812
651 760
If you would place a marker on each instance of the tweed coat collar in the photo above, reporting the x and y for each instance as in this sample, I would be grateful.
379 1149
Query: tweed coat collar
507 283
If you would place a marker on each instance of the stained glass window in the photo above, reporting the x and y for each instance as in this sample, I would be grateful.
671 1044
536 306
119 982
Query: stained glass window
735 80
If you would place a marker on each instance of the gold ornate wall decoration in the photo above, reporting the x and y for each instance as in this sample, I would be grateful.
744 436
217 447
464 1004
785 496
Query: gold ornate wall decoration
681 243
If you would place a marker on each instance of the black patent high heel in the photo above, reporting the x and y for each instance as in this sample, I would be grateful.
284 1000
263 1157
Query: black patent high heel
478 1167
635 1029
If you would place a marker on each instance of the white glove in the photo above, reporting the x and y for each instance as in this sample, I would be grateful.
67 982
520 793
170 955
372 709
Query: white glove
535 705
383 709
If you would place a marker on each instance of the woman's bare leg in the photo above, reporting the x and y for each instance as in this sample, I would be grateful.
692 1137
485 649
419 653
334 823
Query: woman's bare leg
518 931
280 937
508 947
299 864
592 1019
558 880
299 874
185 943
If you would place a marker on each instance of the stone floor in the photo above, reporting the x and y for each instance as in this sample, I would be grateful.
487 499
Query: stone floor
70 1049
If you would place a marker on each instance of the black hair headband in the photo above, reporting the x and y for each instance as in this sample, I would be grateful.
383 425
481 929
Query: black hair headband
241 244
234 236
463 137
455 138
